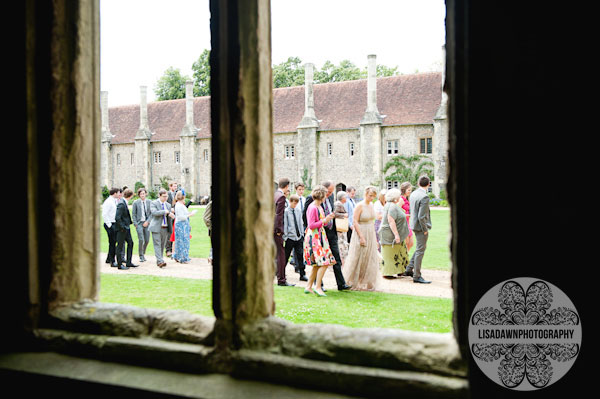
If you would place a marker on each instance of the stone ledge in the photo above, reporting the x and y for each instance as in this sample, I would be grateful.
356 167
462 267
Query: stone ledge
131 321
370 347
92 378
351 380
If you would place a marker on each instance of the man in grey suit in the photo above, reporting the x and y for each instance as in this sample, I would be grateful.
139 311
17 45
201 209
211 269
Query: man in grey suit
420 223
160 219
140 211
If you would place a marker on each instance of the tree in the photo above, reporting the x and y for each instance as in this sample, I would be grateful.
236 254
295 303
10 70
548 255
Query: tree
289 73
171 85
201 68
346 70
409 168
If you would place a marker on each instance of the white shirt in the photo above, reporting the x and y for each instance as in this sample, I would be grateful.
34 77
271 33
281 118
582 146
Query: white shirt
109 211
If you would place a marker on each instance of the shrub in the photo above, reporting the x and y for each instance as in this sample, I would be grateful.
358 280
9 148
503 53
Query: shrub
105 193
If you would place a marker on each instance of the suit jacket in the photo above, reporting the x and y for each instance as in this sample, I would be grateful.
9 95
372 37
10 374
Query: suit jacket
279 211
137 209
420 218
123 218
156 215
309 200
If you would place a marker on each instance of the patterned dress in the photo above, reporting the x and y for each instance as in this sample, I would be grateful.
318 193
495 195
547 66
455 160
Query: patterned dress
316 245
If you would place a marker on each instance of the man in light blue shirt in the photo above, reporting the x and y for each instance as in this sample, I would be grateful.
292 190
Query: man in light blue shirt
349 206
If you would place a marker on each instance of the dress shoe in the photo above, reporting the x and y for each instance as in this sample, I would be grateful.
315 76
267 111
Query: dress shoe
162 264
421 280
286 284
114 264
408 273
344 287
131 265
303 278
390 277
123 267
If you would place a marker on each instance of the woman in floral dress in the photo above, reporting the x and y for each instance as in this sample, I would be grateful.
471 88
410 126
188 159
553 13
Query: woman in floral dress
316 246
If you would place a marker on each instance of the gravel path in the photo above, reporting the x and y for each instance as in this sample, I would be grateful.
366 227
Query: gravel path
440 286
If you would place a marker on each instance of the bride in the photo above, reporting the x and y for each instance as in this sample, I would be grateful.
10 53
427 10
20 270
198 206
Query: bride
361 267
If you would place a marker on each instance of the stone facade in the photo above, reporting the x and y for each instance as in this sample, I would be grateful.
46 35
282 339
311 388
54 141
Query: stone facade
345 132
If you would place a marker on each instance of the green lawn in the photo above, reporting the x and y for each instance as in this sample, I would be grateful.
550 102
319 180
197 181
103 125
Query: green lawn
353 309
437 254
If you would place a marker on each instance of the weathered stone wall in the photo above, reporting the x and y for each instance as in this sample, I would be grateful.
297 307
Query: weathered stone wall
167 167
339 166
124 174
204 169
285 167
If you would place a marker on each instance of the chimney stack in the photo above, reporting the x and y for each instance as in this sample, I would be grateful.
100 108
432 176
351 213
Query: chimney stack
143 108
372 113
189 102
309 119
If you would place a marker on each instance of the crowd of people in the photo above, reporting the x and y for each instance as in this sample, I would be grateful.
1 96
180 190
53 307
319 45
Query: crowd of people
165 219
361 241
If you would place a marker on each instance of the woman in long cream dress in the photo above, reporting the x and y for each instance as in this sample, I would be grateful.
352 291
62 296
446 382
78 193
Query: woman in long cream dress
361 268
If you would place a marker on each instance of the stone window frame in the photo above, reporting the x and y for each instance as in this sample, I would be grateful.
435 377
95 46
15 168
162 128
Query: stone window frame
206 155
289 151
352 148
132 158
177 157
244 339
393 148
427 144
330 149
156 155
118 159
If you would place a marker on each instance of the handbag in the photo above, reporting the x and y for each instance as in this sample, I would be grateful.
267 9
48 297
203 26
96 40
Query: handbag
341 225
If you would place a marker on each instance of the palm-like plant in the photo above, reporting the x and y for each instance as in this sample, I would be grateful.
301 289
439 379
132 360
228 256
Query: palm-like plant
408 168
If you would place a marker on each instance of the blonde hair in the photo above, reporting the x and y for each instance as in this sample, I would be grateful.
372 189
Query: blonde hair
371 189
319 192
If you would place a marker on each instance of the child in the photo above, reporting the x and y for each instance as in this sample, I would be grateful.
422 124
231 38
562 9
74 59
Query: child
293 234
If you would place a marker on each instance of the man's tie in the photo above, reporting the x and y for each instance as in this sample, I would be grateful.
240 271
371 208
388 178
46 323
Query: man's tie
327 212
296 224
164 216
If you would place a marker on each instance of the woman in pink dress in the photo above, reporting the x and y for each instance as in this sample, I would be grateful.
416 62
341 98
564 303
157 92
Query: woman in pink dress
405 190
316 246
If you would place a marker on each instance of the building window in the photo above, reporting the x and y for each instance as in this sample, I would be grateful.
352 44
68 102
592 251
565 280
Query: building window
329 149
392 184
351 149
290 152
177 158
426 145
157 157
132 157
392 147
118 159
205 155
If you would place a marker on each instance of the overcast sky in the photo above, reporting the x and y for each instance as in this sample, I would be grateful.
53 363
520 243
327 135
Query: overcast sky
140 39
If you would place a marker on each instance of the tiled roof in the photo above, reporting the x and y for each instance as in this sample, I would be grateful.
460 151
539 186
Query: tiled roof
405 99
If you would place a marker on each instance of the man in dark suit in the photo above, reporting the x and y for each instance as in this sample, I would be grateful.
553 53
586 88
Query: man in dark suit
331 232
280 194
123 222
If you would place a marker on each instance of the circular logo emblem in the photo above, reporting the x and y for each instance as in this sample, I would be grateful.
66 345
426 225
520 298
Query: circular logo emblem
525 334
